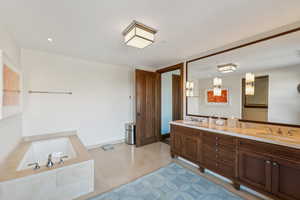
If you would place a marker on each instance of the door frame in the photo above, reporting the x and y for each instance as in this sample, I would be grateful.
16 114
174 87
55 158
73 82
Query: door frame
179 66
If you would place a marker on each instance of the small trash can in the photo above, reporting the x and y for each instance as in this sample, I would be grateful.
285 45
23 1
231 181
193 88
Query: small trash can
130 133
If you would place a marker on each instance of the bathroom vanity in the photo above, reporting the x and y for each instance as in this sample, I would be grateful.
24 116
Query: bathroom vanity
262 161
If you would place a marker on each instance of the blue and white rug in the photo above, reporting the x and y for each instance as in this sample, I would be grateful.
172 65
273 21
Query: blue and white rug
172 182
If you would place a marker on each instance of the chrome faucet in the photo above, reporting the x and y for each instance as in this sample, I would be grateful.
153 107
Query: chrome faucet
36 165
50 162
61 160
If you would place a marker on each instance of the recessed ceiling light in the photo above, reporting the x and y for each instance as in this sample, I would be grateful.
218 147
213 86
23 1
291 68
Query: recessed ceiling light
50 40
227 68
138 35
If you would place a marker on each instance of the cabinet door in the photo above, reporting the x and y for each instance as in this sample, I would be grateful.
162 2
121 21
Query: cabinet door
191 147
177 143
286 179
255 170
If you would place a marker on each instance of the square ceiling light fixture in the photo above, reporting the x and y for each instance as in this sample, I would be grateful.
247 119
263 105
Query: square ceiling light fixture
227 68
138 35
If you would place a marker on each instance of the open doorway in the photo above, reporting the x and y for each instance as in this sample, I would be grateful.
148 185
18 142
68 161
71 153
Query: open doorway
255 107
171 99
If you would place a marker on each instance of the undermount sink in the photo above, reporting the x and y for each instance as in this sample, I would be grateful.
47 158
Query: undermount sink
190 122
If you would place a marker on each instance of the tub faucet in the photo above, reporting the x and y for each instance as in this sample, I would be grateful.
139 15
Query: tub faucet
36 165
50 162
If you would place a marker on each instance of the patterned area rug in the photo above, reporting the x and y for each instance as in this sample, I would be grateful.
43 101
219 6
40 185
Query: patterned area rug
170 183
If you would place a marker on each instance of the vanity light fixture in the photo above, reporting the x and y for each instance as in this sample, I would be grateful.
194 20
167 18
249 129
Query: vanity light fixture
250 80
189 88
227 68
217 83
138 35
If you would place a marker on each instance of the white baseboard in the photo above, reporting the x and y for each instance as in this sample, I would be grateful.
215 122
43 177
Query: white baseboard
113 141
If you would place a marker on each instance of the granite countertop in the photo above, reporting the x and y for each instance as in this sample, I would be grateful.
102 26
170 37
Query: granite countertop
257 134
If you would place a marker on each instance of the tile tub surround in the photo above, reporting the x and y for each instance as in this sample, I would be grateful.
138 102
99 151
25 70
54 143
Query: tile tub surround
73 178
248 132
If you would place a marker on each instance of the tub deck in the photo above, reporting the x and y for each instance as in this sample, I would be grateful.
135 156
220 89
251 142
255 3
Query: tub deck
8 169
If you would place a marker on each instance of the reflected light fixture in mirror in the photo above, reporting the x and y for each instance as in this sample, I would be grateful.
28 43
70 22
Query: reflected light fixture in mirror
138 35
189 88
250 79
227 68
217 83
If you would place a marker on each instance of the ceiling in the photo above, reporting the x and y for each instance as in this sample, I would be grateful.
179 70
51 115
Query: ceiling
91 29
280 52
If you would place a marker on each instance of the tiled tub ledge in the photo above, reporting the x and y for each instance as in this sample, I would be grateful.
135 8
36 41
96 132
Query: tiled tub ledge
73 178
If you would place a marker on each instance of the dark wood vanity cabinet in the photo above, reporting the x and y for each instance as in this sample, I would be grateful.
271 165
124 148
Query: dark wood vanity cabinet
255 170
219 153
270 168
186 142
273 170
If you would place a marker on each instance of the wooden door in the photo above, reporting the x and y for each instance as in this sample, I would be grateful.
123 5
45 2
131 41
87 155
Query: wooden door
255 170
147 107
176 97
286 179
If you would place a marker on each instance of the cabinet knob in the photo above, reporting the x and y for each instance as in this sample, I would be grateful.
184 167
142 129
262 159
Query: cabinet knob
275 164
268 162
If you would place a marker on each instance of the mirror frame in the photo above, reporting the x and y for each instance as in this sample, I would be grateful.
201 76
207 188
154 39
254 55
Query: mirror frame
231 49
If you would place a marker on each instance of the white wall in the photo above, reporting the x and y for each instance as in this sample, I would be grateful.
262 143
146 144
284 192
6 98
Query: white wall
284 99
98 108
10 128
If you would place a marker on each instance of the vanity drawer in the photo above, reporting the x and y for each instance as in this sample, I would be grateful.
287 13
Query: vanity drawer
220 158
219 167
220 155
220 145
269 149
220 139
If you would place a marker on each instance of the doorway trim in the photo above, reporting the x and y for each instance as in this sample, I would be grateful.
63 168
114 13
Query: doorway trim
179 66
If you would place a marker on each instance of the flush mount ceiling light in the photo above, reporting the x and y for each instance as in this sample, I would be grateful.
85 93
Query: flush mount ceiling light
227 68
50 40
138 35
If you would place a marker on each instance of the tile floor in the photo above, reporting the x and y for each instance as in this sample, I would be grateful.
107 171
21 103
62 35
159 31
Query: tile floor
126 163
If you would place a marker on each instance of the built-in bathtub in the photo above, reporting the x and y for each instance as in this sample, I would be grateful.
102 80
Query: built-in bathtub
64 181
40 150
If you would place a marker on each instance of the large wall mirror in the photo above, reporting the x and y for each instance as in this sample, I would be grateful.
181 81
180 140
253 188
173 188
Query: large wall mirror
255 82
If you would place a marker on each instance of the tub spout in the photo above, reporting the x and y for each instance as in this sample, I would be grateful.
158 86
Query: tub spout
50 162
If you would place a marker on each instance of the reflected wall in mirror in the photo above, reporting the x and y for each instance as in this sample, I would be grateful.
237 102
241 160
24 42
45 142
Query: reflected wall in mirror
261 81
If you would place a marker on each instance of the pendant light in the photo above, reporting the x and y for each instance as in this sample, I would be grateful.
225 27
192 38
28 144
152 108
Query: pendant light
250 81
217 84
